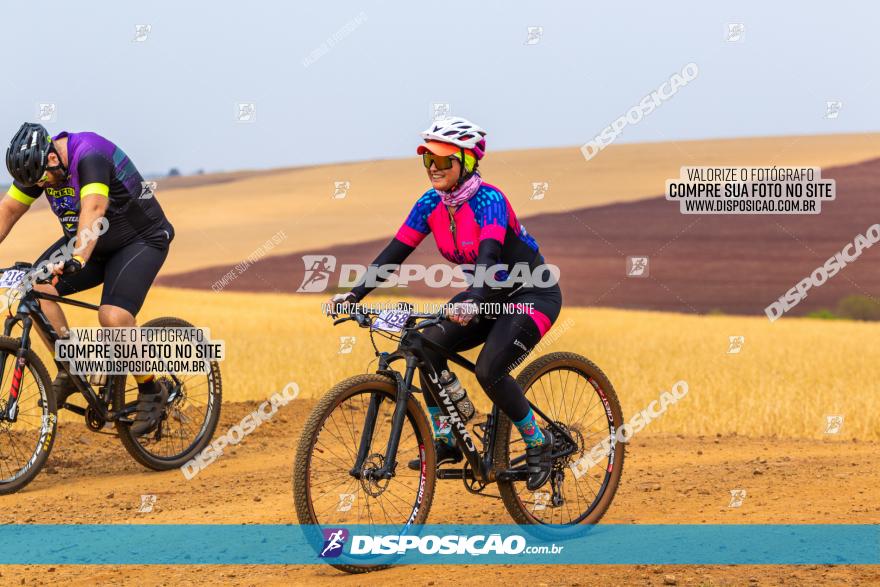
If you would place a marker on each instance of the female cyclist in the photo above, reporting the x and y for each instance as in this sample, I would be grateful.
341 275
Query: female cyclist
473 223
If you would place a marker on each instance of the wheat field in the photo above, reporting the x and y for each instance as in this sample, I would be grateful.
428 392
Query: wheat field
223 223
788 377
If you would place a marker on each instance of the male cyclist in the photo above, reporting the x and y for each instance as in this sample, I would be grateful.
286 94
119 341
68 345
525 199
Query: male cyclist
86 178
474 223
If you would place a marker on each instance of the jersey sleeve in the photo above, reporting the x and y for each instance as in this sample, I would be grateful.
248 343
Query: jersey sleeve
95 171
25 195
491 216
415 228
394 253
490 212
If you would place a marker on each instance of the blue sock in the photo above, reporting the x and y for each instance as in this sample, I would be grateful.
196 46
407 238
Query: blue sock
442 428
528 427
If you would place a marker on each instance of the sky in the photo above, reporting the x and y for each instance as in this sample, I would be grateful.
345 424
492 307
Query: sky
348 81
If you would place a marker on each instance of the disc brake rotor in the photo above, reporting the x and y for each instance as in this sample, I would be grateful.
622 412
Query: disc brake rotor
372 486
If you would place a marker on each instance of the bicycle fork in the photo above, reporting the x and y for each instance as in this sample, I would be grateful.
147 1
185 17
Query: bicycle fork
386 471
481 470
11 412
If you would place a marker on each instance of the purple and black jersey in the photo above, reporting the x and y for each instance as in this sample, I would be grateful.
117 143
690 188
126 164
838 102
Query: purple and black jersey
97 166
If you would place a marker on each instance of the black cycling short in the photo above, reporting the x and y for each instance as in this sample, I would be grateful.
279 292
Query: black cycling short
127 273
507 340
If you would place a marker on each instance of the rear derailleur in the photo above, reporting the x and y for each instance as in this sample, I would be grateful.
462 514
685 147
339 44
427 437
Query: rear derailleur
557 499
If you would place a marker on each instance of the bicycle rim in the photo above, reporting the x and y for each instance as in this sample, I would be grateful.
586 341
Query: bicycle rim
25 443
584 405
336 497
188 420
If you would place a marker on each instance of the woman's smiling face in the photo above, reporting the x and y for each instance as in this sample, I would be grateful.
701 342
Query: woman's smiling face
444 179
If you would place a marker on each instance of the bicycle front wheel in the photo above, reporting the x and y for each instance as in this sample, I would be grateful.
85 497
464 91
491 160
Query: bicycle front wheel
27 437
328 487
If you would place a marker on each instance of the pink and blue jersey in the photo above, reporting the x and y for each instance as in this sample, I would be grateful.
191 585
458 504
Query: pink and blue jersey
486 215
484 231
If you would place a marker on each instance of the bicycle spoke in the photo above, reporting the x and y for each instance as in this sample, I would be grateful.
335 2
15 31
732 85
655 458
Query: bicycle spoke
336 503
350 453
559 393
386 501
327 449
183 425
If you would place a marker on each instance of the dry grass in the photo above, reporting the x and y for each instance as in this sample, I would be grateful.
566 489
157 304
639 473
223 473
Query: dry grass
225 222
787 378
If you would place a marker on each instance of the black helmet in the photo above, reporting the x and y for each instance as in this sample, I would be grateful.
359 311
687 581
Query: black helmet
26 157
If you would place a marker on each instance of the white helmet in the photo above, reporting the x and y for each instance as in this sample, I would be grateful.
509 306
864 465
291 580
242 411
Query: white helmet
460 132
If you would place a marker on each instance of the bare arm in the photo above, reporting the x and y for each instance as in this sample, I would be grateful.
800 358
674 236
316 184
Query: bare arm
92 207
10 211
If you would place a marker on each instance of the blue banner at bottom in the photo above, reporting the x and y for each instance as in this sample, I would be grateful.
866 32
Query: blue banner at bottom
726 544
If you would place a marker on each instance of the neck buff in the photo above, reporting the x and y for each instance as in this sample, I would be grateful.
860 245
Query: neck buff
462 193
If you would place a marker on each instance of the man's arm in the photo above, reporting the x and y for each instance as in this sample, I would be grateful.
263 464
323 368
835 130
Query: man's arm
95 171
93 206
10 211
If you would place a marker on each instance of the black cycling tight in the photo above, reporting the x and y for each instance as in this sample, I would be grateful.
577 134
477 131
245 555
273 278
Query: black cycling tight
127 273
508 339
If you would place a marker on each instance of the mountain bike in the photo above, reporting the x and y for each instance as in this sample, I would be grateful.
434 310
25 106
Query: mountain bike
28 410
347 468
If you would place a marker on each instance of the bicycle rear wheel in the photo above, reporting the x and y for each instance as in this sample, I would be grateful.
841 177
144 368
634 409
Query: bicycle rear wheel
25 443
190 417
330 492
577 396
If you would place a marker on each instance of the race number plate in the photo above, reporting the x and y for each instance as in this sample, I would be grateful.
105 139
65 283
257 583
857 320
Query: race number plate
391 320
12 278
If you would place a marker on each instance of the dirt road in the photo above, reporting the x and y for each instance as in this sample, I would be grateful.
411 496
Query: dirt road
667 479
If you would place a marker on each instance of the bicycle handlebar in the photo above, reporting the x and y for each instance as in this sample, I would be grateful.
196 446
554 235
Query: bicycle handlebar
18 265
363 317
25 266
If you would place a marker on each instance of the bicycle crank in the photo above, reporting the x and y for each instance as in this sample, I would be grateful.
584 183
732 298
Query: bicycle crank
471 483
94 421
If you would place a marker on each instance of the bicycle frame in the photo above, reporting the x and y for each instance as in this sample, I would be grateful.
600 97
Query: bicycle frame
411 350
30 315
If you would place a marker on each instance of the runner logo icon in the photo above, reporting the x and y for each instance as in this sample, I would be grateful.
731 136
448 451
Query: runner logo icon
317 272
334 540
